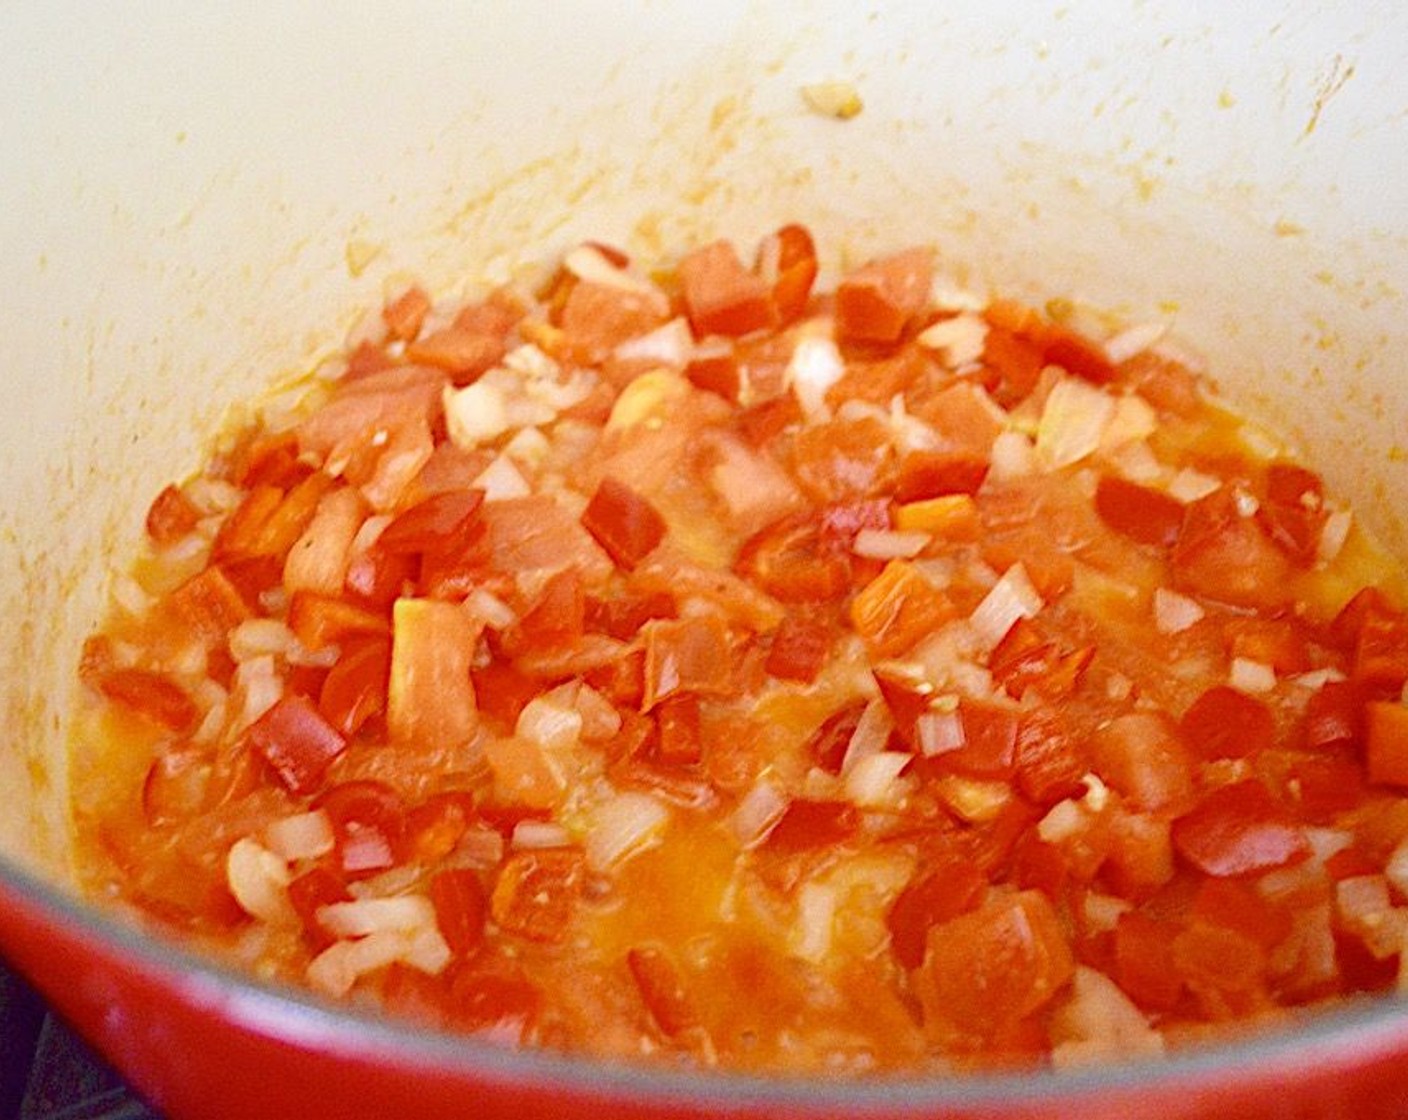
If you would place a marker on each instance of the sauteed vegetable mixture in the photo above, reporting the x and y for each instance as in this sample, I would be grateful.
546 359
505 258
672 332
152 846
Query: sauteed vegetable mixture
693 664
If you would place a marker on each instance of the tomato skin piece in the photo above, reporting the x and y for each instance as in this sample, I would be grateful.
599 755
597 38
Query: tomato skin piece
986 970
172 515
1226 723
876 302
662 989
461 909
315 888
829 742
1238 831
368 824
153 696
946 888
354 691
297 743
799 650
1386 742
721 296
623 523
1145 515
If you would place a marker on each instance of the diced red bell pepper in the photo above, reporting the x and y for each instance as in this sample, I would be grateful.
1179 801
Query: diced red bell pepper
793 255
623 523
556 618
1234 905
377 578
721 296
368 824
319 621
622 617
172 516
1239 830
877 301
461 909
908 696
210 604
788 561
437 824
1144 961
1051 758
799 650
1386 742
315 888
1017 363
269 521
1334 716
154 696
1078 355
297 743
936 474
404 315
536 893
944 889
662 989
444 522
989 746
354 691
807 825
1278 642
1226 723
1143 514
1381 651
898 608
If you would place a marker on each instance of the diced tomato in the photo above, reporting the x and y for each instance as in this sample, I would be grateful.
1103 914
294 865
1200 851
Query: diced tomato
1386 742
1078 355
843 459
1226 723
430 697
714 368
907 694
988 969
799 650
1326 786
1346 627
789 562
964 417
1238 830
354 691
172 516
1142 756
876 302
297 743
557 618
721 296
1017 363
1218 959
898 608
597 317
935 474
621 680
435 826
677 721
319 621
537 891
461 909
153 696
622 617
792 254
944 889
465 349
444 522
1295 530
496 1002
1025 659
989 745
880 380
1051 758
1234 905
690 655
1381 652
177 785
623 523
269 521
1144 961
315 888
761 422
1227 557
522 775
1334 716
404 315
377 578
368 824
662 989
1278 642
366 359
1139 512
502 691
807 825
828 743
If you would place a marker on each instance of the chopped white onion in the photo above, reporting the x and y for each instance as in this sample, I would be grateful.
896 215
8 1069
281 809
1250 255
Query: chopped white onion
1247 675
338 967
961 339
816 365
760 808
427 951
871 734
476 414
624 826
874 781
530 834
531 363
947 294
490 609
1103 911
501 480
939 732
909 433
650 397
301 836
130 597
1175 613
1138 463
1012 597
550 722
1333 535
369 533
1013 456
255 688
587 262
259 881
529 446
1189 485
810 938
1072 422
1133 341
600 719
364 916
669 345
1099 1022
1317 678
1065 819
889 544
1245 501
259 637
1134 421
